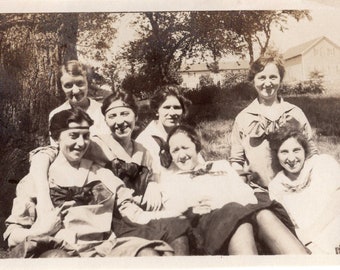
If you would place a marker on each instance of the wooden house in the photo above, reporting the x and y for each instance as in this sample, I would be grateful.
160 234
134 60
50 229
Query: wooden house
319 55
192 73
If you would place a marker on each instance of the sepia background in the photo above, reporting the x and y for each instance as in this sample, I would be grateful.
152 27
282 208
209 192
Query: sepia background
205 49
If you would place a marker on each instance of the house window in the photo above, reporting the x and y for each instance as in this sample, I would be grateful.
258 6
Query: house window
330 52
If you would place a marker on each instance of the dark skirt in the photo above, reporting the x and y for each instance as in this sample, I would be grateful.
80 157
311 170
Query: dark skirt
166 229
211 232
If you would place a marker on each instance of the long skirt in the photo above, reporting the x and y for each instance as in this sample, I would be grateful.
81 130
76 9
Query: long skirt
212 232
166 229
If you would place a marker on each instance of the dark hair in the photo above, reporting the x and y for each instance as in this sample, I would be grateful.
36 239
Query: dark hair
165 91
278 137
73 68
61 120
190 132
260 64
122 95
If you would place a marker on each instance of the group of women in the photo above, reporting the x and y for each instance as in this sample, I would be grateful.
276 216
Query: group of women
102 193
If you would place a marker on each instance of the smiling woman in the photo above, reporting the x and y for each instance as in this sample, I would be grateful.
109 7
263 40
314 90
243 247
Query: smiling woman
291 157
250 151
308 188
170 108
226 214
84 196
74 141
73 81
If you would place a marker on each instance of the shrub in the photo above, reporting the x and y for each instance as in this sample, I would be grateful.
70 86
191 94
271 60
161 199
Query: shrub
205 80
232 79
206 95
314 86
243 91
303 88
237 86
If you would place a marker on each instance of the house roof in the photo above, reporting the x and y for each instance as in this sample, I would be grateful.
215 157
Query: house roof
304 47
230 65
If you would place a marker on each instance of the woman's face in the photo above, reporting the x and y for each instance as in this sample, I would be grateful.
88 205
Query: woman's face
267 82
121 120
291 155
74 87
170 112
183 152
74 141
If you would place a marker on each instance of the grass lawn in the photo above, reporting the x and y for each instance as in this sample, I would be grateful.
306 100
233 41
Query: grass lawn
214 122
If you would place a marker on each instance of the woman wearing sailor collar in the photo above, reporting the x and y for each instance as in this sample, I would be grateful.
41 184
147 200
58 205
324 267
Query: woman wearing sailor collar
250 151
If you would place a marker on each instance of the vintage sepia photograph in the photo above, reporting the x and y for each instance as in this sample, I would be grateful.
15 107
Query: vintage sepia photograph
206 132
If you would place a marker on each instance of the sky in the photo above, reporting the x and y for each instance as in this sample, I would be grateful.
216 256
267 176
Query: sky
325 22
325 14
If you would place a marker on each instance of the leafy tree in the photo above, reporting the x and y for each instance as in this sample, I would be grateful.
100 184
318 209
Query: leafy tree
166 38
32 46
255 27
242 32
154 54
96 34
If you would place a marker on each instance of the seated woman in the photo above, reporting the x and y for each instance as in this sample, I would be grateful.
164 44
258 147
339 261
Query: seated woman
309 189
226 215
250 153
170 108
84 195
132 163
128 160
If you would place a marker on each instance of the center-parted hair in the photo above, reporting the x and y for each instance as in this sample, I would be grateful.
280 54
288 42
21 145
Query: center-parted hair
261 63
61 120
188 131
165 91
122 95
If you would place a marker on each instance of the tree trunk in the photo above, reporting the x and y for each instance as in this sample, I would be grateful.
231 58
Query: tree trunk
30 55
